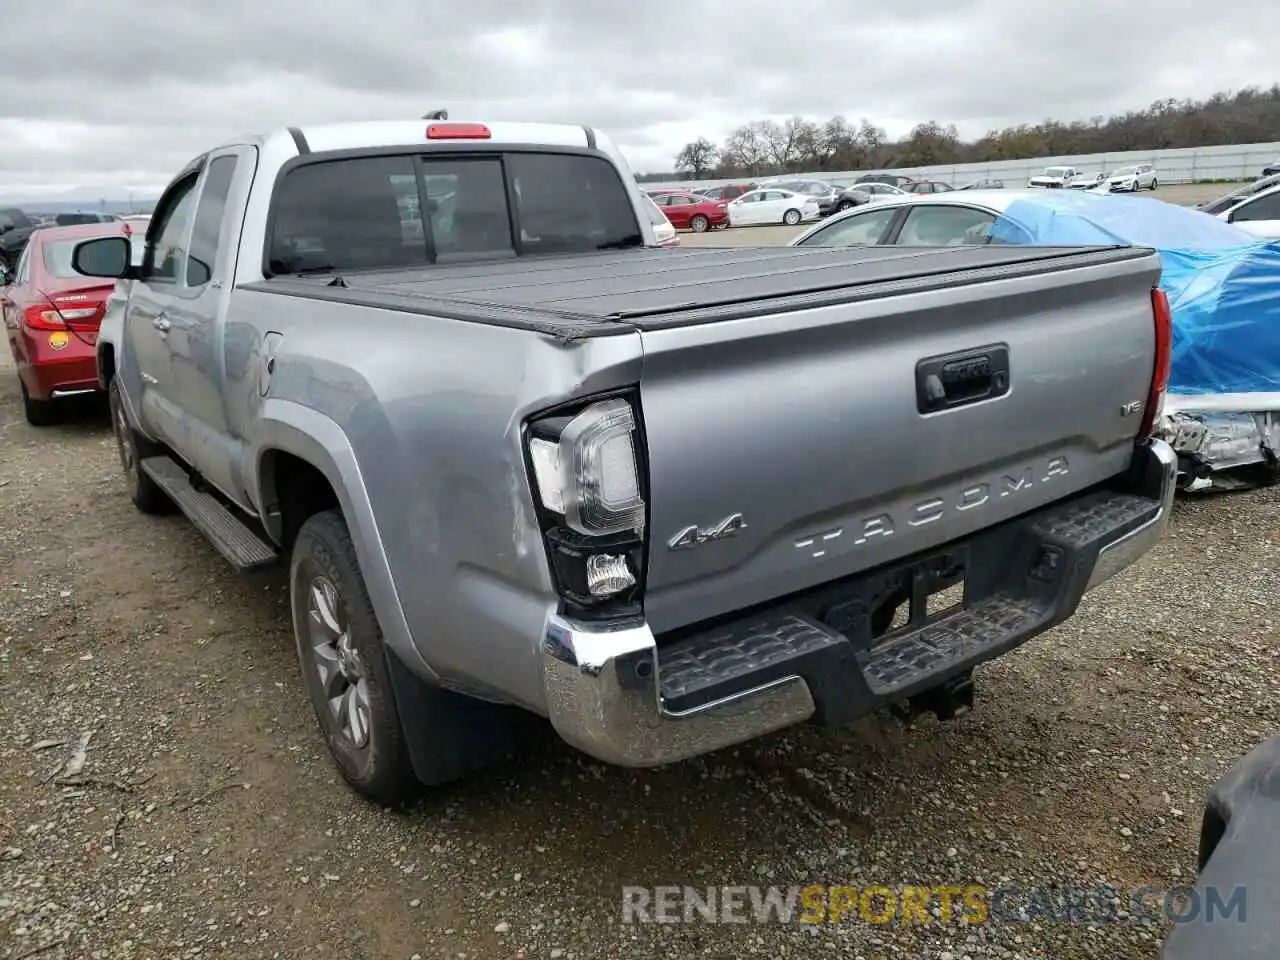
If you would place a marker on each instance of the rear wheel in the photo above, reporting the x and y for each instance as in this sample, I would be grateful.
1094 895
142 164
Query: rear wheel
340 650
1154 181
699 224
133 449
844 205
39 413
791 218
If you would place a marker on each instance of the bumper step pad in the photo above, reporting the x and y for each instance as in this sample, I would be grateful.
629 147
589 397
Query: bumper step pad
1035 572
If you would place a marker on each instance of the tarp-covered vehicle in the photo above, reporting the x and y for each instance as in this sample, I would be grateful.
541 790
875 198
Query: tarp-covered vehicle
1222 412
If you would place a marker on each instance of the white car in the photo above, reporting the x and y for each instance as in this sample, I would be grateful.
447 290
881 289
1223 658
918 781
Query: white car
1060 177
662 228
1140 176
1258 214
772 206
1086 182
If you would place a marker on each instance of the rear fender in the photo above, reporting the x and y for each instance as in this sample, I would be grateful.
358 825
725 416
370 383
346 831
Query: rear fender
311 436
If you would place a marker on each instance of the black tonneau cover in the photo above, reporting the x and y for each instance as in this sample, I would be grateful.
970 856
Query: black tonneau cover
644 288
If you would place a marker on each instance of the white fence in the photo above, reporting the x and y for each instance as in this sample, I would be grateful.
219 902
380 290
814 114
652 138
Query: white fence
1185 165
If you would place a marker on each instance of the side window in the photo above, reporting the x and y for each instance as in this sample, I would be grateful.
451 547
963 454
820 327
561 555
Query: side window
682 201
206 234
949 226
859 230
1264 208
171 229
23 273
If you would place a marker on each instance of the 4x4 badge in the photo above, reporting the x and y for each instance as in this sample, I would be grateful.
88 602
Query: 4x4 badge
695 536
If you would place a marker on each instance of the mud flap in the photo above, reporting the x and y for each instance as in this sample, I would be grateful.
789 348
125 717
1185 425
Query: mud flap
450 735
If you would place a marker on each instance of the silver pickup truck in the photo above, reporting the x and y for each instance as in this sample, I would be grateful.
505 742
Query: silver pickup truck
519 460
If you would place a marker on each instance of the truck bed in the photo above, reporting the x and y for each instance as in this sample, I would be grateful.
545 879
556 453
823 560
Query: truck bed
646 289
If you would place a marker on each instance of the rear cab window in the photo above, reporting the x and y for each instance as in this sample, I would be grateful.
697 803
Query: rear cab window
370 212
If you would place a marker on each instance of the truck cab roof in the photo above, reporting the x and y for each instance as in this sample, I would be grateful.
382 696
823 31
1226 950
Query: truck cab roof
373 134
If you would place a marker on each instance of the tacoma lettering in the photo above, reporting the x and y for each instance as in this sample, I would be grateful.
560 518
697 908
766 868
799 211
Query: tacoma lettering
964 500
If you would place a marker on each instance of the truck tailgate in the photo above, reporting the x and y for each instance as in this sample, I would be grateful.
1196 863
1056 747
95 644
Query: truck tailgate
799 445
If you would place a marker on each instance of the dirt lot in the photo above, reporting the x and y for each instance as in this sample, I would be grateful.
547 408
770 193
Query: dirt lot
208 821
1183 193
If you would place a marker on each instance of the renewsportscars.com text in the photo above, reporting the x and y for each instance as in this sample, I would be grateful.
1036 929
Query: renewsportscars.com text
940 903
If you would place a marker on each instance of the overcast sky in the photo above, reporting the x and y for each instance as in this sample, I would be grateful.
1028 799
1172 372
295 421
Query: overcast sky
102 98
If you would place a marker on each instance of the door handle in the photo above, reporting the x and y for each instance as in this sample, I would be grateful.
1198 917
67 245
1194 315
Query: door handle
161 323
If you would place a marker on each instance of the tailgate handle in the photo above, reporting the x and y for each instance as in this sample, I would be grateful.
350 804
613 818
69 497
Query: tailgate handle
957 379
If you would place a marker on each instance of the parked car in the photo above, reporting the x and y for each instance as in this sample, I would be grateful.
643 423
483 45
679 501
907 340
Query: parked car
554 472
1055 178
15 227
927 187
727 192
861 193
983 183
1138 176
663 231
1229 200
52 314
1257 213
892 179
1088 181
826 194
71 218
690 211
1271 168
772 206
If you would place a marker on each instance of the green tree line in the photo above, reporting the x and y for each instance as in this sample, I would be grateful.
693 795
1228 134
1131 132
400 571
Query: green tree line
764 147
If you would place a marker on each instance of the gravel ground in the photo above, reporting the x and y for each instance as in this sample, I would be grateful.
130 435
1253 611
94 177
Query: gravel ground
1186 194
207 819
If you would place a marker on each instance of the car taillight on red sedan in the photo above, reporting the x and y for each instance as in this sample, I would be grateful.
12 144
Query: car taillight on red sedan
47 318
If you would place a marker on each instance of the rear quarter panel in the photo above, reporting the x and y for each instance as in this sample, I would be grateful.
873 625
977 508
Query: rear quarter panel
431 412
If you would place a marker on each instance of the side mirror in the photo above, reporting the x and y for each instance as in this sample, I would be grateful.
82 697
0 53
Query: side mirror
103 257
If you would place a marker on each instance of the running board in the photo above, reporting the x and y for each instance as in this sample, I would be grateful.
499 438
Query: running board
230 535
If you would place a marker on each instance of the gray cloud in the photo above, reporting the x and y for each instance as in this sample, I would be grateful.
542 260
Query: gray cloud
140 93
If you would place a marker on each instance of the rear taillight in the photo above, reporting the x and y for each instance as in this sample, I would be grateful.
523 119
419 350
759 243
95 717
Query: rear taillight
1163 316
47 318
589 482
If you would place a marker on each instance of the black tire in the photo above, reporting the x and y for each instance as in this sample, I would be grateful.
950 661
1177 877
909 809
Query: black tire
1154 181
791 218
39 413
699 224
845 205
378 768
133 448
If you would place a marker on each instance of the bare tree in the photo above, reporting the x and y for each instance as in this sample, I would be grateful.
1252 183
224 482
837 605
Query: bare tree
697 158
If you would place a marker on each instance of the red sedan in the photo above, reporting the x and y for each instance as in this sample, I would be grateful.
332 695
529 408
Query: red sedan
689 211
51 315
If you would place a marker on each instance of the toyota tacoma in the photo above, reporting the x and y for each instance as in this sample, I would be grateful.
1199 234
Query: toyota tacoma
518 460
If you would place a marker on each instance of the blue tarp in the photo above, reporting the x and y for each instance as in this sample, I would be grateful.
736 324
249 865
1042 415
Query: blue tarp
1223 284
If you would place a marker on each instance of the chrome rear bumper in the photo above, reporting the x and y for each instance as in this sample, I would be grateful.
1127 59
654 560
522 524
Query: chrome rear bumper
604 688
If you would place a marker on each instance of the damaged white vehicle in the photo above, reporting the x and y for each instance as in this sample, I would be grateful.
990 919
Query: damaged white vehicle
1056 178
1222 411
